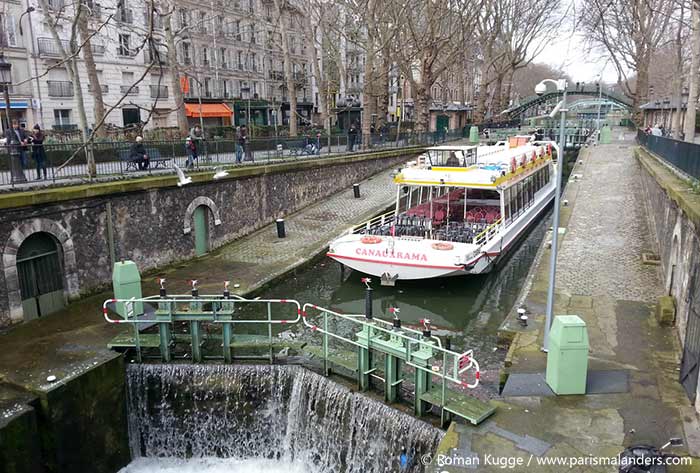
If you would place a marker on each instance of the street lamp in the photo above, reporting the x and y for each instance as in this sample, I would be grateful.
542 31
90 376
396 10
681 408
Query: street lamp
16 172
540 89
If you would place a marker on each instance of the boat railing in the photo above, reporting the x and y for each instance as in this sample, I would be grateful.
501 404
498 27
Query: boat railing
374 222
488 232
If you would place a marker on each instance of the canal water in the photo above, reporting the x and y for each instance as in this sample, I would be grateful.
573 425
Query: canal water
469 310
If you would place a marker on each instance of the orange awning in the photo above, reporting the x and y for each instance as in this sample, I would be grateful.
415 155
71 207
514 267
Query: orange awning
209 110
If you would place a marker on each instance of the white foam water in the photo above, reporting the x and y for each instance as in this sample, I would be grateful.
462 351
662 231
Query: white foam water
212 465
284 417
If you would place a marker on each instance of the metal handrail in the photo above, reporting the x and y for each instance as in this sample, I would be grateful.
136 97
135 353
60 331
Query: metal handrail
488 231
379 220
468 356
202 299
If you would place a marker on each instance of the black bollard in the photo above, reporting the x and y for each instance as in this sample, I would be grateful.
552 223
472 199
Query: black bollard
356 190
280 228
368 303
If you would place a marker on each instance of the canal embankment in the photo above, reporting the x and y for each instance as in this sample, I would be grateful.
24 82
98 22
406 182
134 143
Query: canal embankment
80 416
601 277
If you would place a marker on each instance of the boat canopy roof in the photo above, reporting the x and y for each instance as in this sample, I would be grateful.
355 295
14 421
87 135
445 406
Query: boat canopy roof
493 166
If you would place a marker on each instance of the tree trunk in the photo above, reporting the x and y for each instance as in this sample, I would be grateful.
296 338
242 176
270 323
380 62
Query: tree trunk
93 79
480 111
641 90
72 69
173 72
689 128
678 81
321 85
422 108
496 107
368 97
383 90
288 72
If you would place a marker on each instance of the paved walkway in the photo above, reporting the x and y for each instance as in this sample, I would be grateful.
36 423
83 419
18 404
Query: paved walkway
600 278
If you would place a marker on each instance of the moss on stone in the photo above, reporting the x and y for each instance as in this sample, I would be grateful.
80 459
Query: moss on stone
62 194
666 311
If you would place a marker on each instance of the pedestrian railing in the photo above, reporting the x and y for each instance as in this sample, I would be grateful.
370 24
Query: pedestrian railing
681 155
65 161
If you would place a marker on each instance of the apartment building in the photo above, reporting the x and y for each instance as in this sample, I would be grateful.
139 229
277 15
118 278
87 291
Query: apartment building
229 57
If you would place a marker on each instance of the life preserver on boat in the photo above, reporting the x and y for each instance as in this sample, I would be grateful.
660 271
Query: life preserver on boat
442 246
513 165
370 240
523 162
534 156
549 149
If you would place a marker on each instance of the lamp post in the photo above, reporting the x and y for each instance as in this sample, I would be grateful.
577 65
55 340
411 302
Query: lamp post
13 144
540 89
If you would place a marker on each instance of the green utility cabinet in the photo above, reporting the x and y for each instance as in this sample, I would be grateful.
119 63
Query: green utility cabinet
126 282
605 135
474 134
567 360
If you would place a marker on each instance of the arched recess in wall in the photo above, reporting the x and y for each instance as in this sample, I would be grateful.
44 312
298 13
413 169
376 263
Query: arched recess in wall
189 213
65 250
674 262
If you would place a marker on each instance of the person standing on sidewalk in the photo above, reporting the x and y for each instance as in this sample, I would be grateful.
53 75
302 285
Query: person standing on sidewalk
352 134
38 151
239 146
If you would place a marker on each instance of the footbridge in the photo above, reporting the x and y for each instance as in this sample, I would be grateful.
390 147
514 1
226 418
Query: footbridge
532 102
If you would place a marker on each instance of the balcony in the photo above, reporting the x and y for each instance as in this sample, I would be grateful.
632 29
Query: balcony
124 90
159 92
98 49
104 87
48 47
59 88
125 15
65 127
276 75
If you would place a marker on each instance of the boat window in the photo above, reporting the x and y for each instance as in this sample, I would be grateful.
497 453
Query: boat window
452 157
506 203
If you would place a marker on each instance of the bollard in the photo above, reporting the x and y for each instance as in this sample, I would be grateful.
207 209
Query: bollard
280 228
368 303
356 190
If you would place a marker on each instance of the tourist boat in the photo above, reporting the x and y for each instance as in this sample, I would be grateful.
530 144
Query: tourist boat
459 209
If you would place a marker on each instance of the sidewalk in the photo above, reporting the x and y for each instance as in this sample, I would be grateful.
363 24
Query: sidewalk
601 278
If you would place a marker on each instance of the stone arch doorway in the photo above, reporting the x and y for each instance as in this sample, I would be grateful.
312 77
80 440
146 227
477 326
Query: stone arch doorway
200 219
674 261
65 252
40 273
199 214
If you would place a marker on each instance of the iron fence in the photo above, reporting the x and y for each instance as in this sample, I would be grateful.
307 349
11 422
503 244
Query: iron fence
66 161
682 155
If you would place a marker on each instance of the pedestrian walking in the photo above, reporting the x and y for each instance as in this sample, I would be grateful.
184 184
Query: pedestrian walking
247 151
352 135
138 154
19 136
38 152
191 149
197 136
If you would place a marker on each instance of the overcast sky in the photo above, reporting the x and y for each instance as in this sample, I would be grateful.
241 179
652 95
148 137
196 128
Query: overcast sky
568 52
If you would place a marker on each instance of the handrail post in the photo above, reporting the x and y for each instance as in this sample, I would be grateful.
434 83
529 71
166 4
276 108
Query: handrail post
269 330
325 343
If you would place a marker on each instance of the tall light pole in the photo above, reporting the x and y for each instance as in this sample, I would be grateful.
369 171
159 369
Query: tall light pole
540 89
600 95
16 172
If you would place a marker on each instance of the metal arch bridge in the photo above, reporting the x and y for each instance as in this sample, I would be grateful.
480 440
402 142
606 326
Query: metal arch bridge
536 100
593 102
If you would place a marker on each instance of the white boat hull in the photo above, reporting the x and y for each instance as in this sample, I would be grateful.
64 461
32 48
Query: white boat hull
410 258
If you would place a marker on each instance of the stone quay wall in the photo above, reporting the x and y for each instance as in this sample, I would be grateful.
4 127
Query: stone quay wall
674 212
150 220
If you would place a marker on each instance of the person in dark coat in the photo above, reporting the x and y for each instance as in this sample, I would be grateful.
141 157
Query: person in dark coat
352 135
138 154
38 151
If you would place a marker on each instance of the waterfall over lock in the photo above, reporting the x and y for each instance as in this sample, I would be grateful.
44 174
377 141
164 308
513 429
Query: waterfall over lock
281 415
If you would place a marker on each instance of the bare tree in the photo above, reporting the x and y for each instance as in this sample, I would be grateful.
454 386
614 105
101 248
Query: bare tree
630 31
282 7
431 37
82 18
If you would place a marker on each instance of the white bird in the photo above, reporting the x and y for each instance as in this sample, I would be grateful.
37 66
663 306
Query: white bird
220 172
181 178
